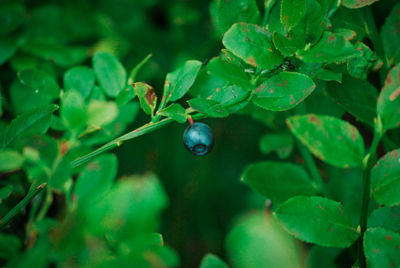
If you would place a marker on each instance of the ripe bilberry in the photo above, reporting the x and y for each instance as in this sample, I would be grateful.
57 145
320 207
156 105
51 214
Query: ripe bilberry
198 138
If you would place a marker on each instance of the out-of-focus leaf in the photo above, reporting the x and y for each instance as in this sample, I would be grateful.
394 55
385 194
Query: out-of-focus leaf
101 113
212 261
390 35
256 240
9 246
11 17
322 256
281 143
278 181
73 110
10 160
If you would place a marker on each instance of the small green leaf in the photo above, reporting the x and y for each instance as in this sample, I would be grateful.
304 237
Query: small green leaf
385 179
330 139
109 72
136 69
208 107
389 100
252 44
283 91
212 261
357 97
10 160
359 66
125 95
72 110
256 240
225 13
81 79
317 220
385 217
328 75
101 113
174 111
292 11
147 97
278 181
33 122
5 192
330 48
381 247
357 3
390 35
96 179
281 143
286 46
178 83
35 88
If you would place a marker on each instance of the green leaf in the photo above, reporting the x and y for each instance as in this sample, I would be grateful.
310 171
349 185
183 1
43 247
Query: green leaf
208 107
109 72
331 48
281 143
212 261
178 83
174 111
278 181
96 179
328 75
359 66
385 179
225 13
256 240
283 91
330 139
125 95
5 192
357 97
33 122
136 69
389 100
357 3
81 79
390 35
147 97
61 173
381 247
101 113
252 44
385 217
292 11
10 160
11 17
9 246
322 257
317 220
35 88
72 110
286 46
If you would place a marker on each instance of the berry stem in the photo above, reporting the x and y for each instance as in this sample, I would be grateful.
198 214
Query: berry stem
190 119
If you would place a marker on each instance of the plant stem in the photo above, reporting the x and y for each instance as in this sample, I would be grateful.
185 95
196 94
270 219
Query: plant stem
366 193
15 210
312 168
46 205
149 127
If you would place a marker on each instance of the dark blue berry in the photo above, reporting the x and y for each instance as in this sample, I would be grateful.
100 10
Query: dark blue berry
198 139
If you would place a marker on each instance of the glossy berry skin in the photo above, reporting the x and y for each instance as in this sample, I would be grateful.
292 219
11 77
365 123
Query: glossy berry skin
198 139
